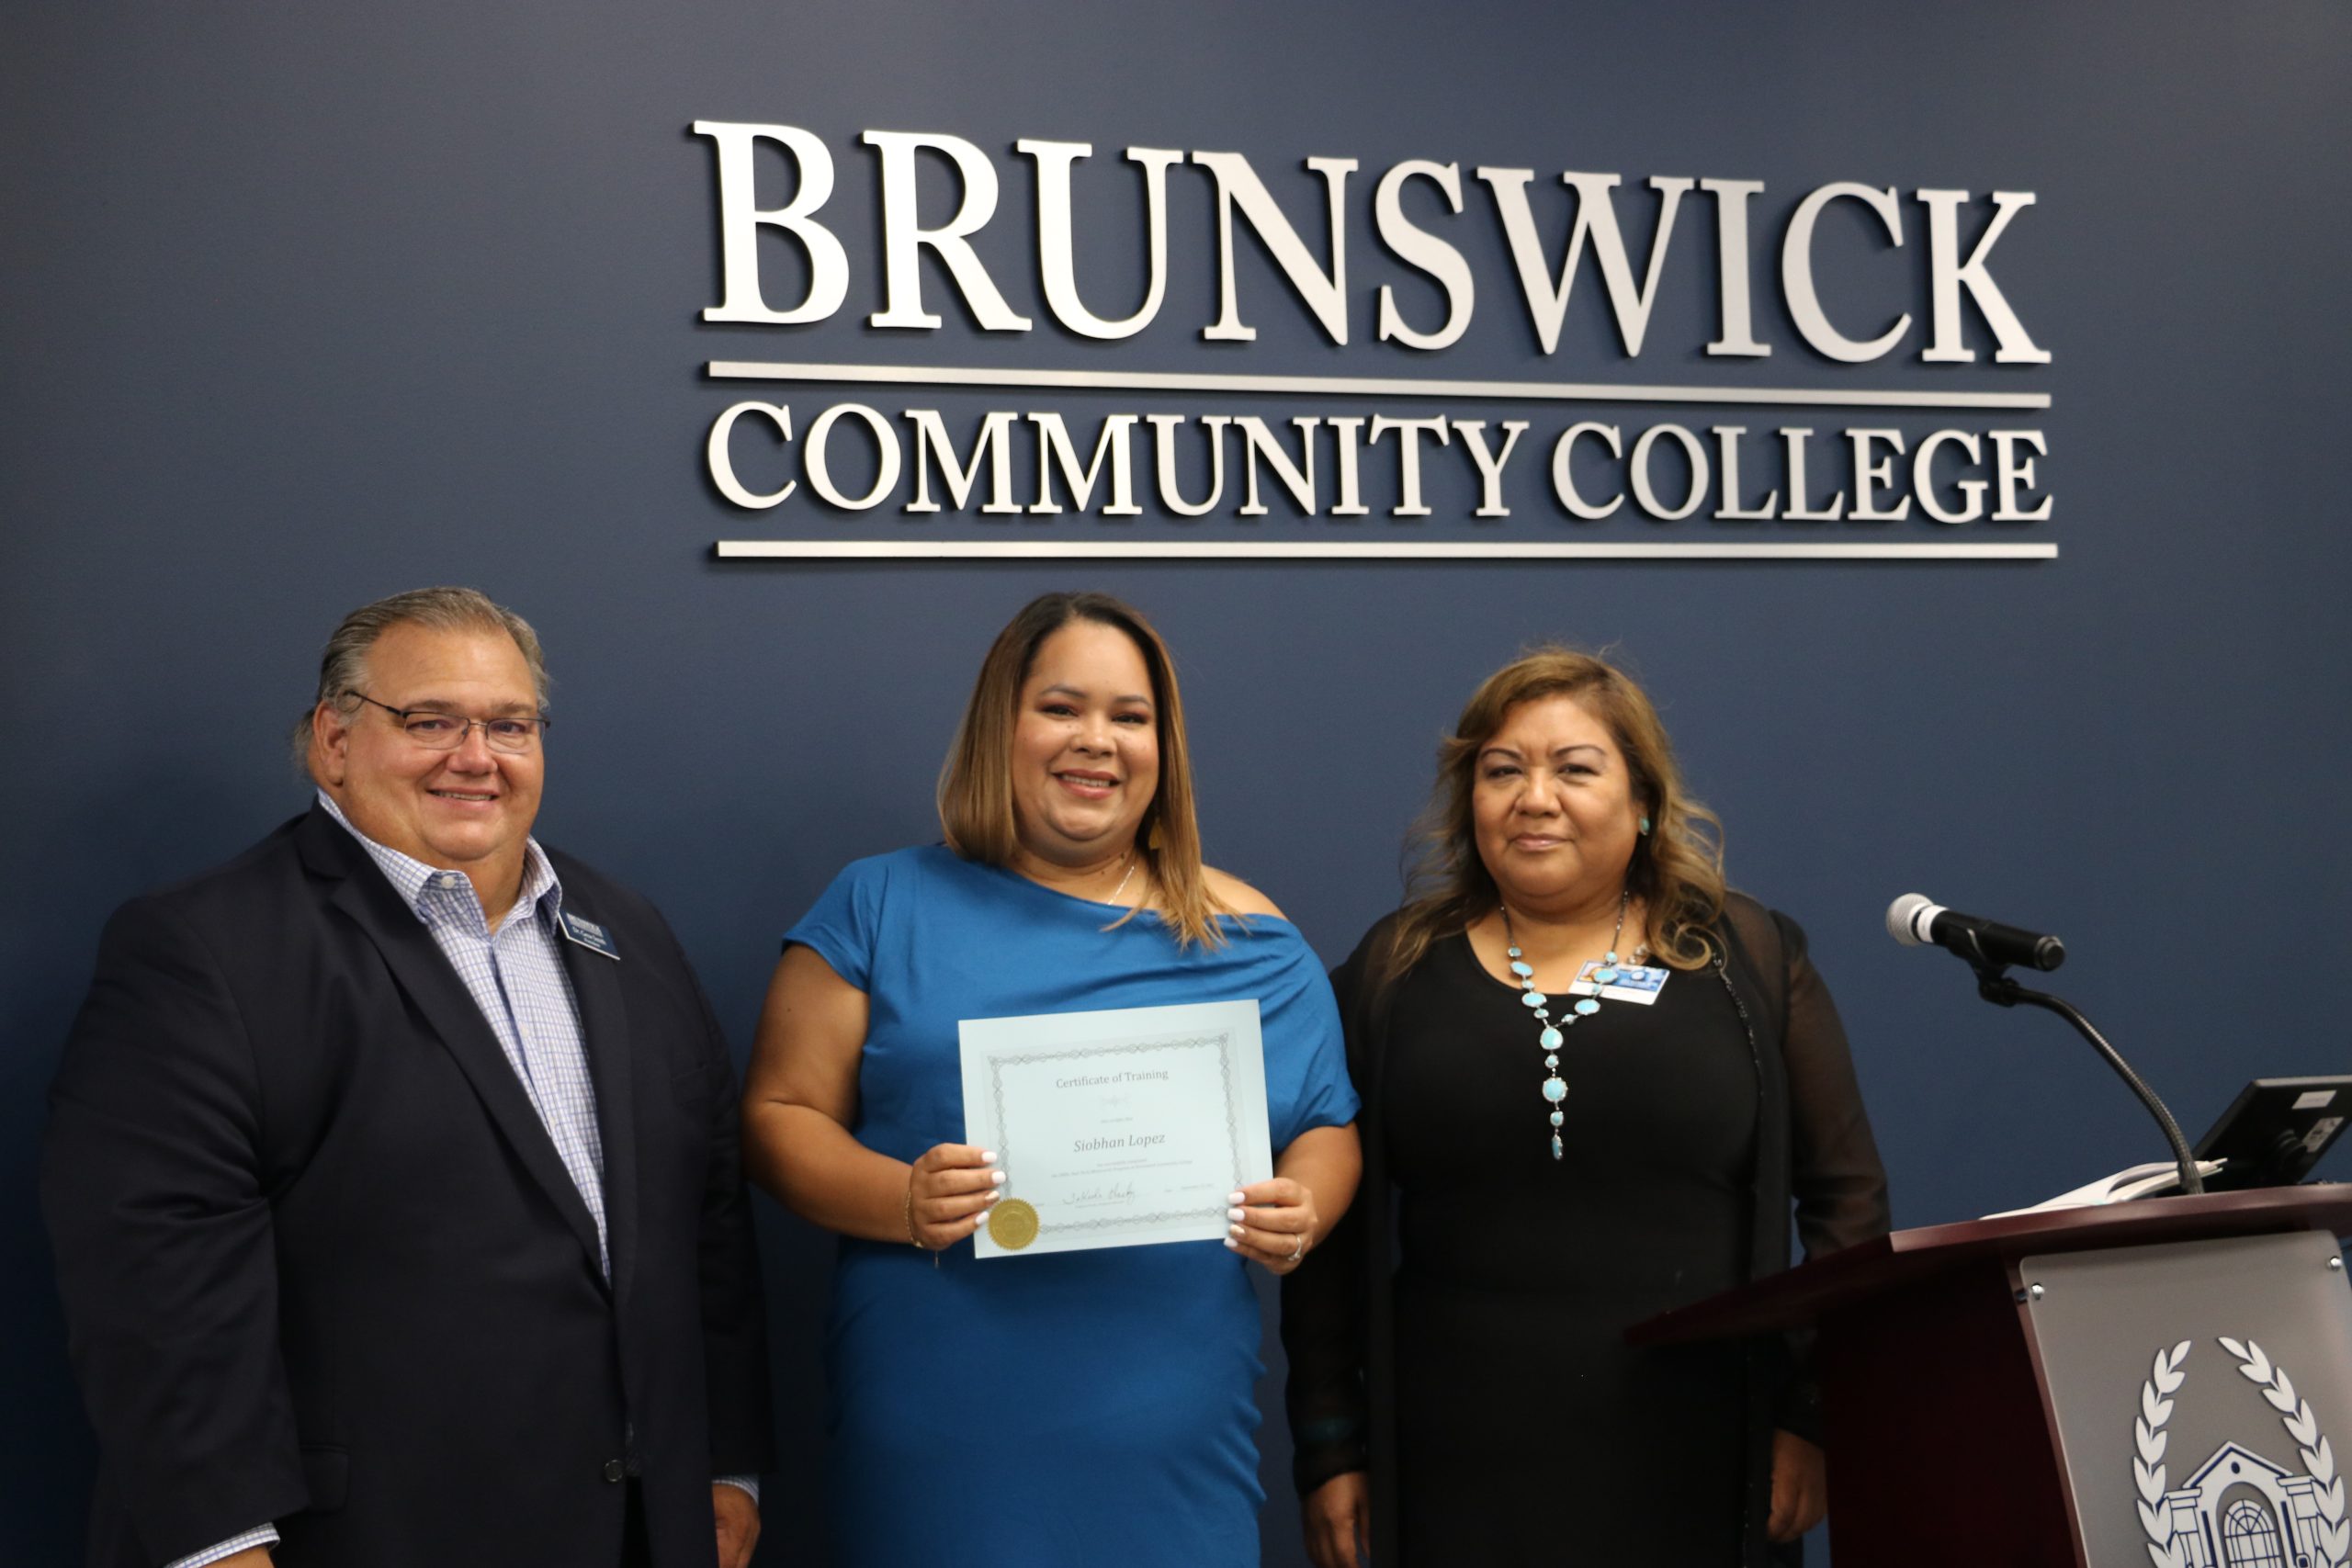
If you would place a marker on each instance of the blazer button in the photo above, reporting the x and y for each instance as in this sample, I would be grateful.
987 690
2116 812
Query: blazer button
614 1470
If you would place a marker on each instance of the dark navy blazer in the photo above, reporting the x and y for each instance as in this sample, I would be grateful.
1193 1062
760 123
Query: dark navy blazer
322 1267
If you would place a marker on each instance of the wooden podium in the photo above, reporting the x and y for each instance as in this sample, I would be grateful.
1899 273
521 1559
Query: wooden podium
1943 1432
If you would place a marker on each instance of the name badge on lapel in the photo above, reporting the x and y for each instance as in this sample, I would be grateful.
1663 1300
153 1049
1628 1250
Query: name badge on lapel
590 935
1635 983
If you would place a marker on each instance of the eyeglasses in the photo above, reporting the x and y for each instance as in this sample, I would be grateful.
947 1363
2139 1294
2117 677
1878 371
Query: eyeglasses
447 731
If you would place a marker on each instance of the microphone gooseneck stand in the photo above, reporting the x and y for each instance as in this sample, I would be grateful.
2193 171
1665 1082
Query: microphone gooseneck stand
1992 983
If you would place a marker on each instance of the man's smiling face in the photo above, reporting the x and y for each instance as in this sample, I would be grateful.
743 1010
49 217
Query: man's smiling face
466 810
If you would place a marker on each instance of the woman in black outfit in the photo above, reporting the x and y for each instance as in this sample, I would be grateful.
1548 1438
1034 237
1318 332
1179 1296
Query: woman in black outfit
1549 1159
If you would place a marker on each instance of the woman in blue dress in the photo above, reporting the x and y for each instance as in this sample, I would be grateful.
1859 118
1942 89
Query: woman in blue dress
1078 1407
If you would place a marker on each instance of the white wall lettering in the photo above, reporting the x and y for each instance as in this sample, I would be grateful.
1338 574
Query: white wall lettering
1797 440
2015 474
1872 476
1298 477
1922 477
1163 431
1563 484
980 481
1489 464
1409 434
1646 493
992 446
1796 273
1727 452
903 238
1547 298
740 217
1945 277
1237 186
818 462
1057 245
1731 265
722 464
1422 300
1242 200
1420 248
1345 431
1054 449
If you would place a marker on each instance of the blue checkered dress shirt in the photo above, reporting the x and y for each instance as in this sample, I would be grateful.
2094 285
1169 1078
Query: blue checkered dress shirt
516 978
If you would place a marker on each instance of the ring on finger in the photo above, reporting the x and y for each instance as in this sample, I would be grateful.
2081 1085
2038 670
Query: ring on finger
1298 1250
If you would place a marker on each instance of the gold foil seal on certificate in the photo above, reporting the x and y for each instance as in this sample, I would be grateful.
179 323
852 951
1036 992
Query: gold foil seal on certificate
1013 1225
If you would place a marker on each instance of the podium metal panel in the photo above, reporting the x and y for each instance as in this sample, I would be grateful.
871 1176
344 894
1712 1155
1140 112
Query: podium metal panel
2199 1392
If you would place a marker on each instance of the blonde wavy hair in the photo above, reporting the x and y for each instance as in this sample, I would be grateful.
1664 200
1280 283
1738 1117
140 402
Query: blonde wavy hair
976 810
1677 867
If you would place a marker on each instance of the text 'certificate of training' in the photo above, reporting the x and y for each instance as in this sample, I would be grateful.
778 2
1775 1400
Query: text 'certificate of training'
1117 1129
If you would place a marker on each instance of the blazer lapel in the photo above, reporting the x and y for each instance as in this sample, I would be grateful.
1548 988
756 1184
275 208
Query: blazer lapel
603 1026
424 972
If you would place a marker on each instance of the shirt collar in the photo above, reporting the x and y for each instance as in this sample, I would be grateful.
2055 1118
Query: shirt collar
412 879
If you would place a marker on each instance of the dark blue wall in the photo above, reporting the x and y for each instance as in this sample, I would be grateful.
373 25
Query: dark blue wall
307 304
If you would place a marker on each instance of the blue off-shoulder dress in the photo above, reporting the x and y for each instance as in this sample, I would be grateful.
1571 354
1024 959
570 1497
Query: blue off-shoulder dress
1071 1409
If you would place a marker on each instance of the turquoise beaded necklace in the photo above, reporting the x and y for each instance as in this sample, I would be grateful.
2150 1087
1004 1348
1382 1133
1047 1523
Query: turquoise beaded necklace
1555 1088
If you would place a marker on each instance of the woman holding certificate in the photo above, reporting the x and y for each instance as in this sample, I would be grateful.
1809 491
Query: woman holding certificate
1595 1085
1063 1398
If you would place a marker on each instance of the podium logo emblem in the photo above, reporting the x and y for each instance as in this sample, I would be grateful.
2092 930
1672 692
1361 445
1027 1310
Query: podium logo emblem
2239 1509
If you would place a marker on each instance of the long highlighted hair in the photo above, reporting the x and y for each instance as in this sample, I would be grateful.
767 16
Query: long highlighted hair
1677 867
975 808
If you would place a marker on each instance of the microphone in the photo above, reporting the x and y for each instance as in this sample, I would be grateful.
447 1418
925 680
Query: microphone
1989 948
1914 918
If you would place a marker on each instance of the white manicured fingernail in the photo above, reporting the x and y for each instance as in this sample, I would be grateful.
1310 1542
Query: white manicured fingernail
997 1177
1235 1214
988 1156
1233 1243
1235 1229
1235 1198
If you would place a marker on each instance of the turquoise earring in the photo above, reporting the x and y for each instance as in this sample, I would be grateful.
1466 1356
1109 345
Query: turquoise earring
1646 826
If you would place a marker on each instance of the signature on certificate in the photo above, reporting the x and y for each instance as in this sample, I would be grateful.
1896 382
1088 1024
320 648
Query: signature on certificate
1116 1194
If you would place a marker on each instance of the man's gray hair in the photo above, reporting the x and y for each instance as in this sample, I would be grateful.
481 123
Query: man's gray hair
343 667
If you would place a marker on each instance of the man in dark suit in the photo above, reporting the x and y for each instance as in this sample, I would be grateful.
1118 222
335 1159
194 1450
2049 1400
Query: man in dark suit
392 1170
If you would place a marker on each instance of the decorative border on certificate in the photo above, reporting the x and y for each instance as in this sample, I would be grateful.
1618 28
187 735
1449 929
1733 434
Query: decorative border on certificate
1221 1039
1123 1127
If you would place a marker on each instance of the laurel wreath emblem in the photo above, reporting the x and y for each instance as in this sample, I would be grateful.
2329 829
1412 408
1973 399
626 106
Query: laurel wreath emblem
2319 1459
2165 1378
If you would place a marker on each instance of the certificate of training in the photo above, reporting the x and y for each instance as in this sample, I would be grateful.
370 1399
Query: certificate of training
1118 1128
